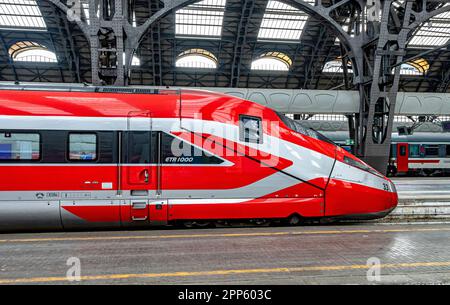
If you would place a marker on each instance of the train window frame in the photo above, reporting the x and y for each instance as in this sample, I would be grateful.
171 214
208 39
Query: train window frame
428 147
97 152
242 129
393 152
30 132
403 151
414 150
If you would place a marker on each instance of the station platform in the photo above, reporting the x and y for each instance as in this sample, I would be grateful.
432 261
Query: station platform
406 254
422 199
411 246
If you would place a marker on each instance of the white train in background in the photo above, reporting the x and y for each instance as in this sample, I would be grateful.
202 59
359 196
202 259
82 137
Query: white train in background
424 153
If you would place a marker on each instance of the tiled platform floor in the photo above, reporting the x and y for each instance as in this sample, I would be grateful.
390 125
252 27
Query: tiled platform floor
335 254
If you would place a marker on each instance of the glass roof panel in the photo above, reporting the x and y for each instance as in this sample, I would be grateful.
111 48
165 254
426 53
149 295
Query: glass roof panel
85 7
335 66
435 32
418 66
85 14
196 58
36 56
272 61
28 51
407 69
196 61
135 61
345 27
282 22
202 19
20 14
269 64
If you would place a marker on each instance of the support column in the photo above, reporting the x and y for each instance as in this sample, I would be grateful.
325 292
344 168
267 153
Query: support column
106 28
378 86
378 64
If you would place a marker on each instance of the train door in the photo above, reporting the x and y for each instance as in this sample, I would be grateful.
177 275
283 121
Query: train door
402 157
138 176
159 208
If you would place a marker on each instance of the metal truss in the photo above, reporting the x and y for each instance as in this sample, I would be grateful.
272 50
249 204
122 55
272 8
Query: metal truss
384 47
373 44
248 7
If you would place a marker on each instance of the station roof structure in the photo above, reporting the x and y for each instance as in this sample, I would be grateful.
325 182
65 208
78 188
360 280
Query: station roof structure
283 47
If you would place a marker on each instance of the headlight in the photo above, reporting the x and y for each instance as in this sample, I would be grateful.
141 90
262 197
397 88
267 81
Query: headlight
392 186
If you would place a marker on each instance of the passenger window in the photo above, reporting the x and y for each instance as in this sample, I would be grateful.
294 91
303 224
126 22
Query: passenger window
82 147
20 146
394 150
250 129
431 150
414 150
402 151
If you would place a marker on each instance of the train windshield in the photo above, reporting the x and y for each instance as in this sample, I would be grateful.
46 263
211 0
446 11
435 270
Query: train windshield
298 127
360 165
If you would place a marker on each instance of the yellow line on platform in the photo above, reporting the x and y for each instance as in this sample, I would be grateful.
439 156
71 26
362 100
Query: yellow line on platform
216 235
219 272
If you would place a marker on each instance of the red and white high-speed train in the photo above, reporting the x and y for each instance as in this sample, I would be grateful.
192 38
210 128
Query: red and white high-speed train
122 157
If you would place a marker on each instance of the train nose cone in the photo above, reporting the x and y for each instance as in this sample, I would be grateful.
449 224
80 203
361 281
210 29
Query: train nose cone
394 200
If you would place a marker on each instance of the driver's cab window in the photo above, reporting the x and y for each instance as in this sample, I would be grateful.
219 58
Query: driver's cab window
250 129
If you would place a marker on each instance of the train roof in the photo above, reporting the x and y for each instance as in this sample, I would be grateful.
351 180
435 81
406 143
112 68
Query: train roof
86 100
84 87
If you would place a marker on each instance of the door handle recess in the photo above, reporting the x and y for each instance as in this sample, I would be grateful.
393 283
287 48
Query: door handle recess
139 205
139 218
146 176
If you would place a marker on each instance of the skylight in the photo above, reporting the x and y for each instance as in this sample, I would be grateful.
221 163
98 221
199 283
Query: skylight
85 11
20 14
345 27
135 61
197 58
36 56
282 22
27 51
418 66
335 66
85 7
407 69
435 32
202 19
272 61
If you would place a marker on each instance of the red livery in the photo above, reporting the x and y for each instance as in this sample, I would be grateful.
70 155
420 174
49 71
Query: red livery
120 157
